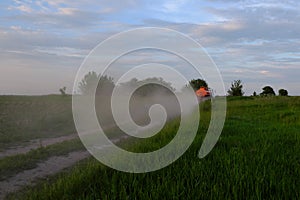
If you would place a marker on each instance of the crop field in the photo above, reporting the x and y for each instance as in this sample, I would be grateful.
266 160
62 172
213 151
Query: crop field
256 157
24 118
34 130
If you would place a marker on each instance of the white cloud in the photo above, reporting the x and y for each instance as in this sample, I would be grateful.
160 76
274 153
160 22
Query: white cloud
232 25
23 6
63 51
256 41
16 28
173 5
67 11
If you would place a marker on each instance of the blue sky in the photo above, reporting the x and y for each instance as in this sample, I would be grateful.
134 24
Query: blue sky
43 42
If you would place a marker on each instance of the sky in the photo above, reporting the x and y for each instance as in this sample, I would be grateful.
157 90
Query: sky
44 42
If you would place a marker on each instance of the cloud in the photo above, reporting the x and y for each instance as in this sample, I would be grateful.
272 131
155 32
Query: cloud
23 6
173 5
67 11
257 41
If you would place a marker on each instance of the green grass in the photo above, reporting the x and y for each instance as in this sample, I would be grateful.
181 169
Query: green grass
257 157
23 118
13 164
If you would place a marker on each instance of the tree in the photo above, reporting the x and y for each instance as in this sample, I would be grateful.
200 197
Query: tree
267 91
197 83
63 90
236 88
104 84
283 92
254 94
149 86
87 83
130 84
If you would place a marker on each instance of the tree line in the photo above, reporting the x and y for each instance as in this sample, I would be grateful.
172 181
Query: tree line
105 85
236 89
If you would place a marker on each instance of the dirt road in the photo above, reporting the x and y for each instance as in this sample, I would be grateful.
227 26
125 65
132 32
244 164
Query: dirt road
35 144
50 167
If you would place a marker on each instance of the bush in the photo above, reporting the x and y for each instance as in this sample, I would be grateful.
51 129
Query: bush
267 91
283 92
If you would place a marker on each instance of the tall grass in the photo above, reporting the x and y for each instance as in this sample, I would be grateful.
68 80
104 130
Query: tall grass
257 157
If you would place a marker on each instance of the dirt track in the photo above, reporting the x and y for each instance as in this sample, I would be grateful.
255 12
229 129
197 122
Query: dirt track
35 144
50 167
44 169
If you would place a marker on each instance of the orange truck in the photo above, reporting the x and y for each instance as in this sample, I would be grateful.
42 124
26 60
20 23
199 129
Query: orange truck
203 92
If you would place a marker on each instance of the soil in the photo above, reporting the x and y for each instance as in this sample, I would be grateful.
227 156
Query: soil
35 144
44 169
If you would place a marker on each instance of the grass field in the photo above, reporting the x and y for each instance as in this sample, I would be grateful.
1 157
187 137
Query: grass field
257 157
23 118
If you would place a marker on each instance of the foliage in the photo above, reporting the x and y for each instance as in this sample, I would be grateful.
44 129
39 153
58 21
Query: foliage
149 86
283 92
104 84
87 83
267 91
197 83
63 90
236 88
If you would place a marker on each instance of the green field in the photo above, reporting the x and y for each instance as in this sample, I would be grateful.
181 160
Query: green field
257 157
23 118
